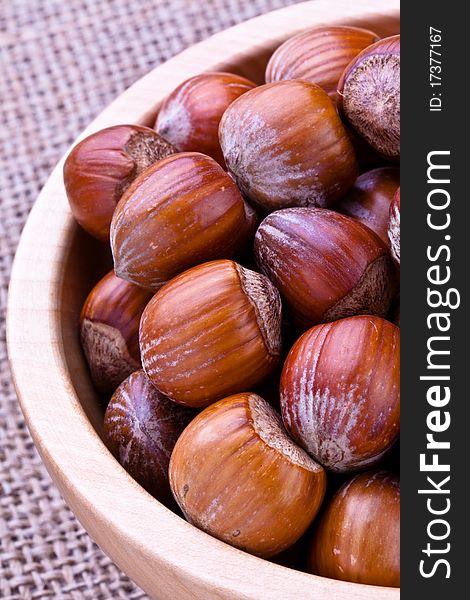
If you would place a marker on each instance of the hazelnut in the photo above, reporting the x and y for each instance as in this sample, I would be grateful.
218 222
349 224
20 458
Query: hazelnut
189 118
394 227
358 535
212 331
325 265
369 199
109 330
182 211
286 146
369 95
340 391
141 427
101 167
319 55
237 475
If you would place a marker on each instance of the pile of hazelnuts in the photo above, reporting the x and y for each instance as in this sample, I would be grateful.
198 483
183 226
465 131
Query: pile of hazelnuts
247 337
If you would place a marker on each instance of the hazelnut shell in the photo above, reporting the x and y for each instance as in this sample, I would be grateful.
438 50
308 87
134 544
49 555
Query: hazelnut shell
141 427
340 391
325 265
182 211
358 534
101 167
212 331
109 330
369 199
319 55
286 146
190 116
369 96
237 475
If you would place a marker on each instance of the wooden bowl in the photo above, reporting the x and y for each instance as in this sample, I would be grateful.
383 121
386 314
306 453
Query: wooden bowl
56 265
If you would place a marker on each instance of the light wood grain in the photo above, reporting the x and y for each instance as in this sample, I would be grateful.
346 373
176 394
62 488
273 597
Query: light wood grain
55 266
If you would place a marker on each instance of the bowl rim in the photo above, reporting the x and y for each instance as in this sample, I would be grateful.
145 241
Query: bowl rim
35 348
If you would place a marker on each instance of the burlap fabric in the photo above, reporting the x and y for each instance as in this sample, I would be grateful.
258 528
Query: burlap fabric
61 63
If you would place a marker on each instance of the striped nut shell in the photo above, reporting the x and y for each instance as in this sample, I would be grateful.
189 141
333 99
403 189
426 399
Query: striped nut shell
182 211
286 146
340 391
101 167
394 227
210 332
319 55
190 116
325 265
358 535
369 96
237 475
141 427
369 199
109 330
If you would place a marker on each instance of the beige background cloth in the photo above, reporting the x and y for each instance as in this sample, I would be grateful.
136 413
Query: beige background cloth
61 63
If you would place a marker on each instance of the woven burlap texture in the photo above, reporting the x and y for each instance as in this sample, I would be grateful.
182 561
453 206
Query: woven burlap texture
61 63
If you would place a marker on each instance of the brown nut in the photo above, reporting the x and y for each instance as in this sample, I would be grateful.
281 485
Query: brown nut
190 116
212 331
237 475
109 330
325 265
141 427
102 166
319 55
358 536
369 199
369 96
286 146
394 227
340 391
182 211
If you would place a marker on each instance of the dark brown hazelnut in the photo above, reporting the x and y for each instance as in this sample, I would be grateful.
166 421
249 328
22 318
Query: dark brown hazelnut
325 265
369 199
141 427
